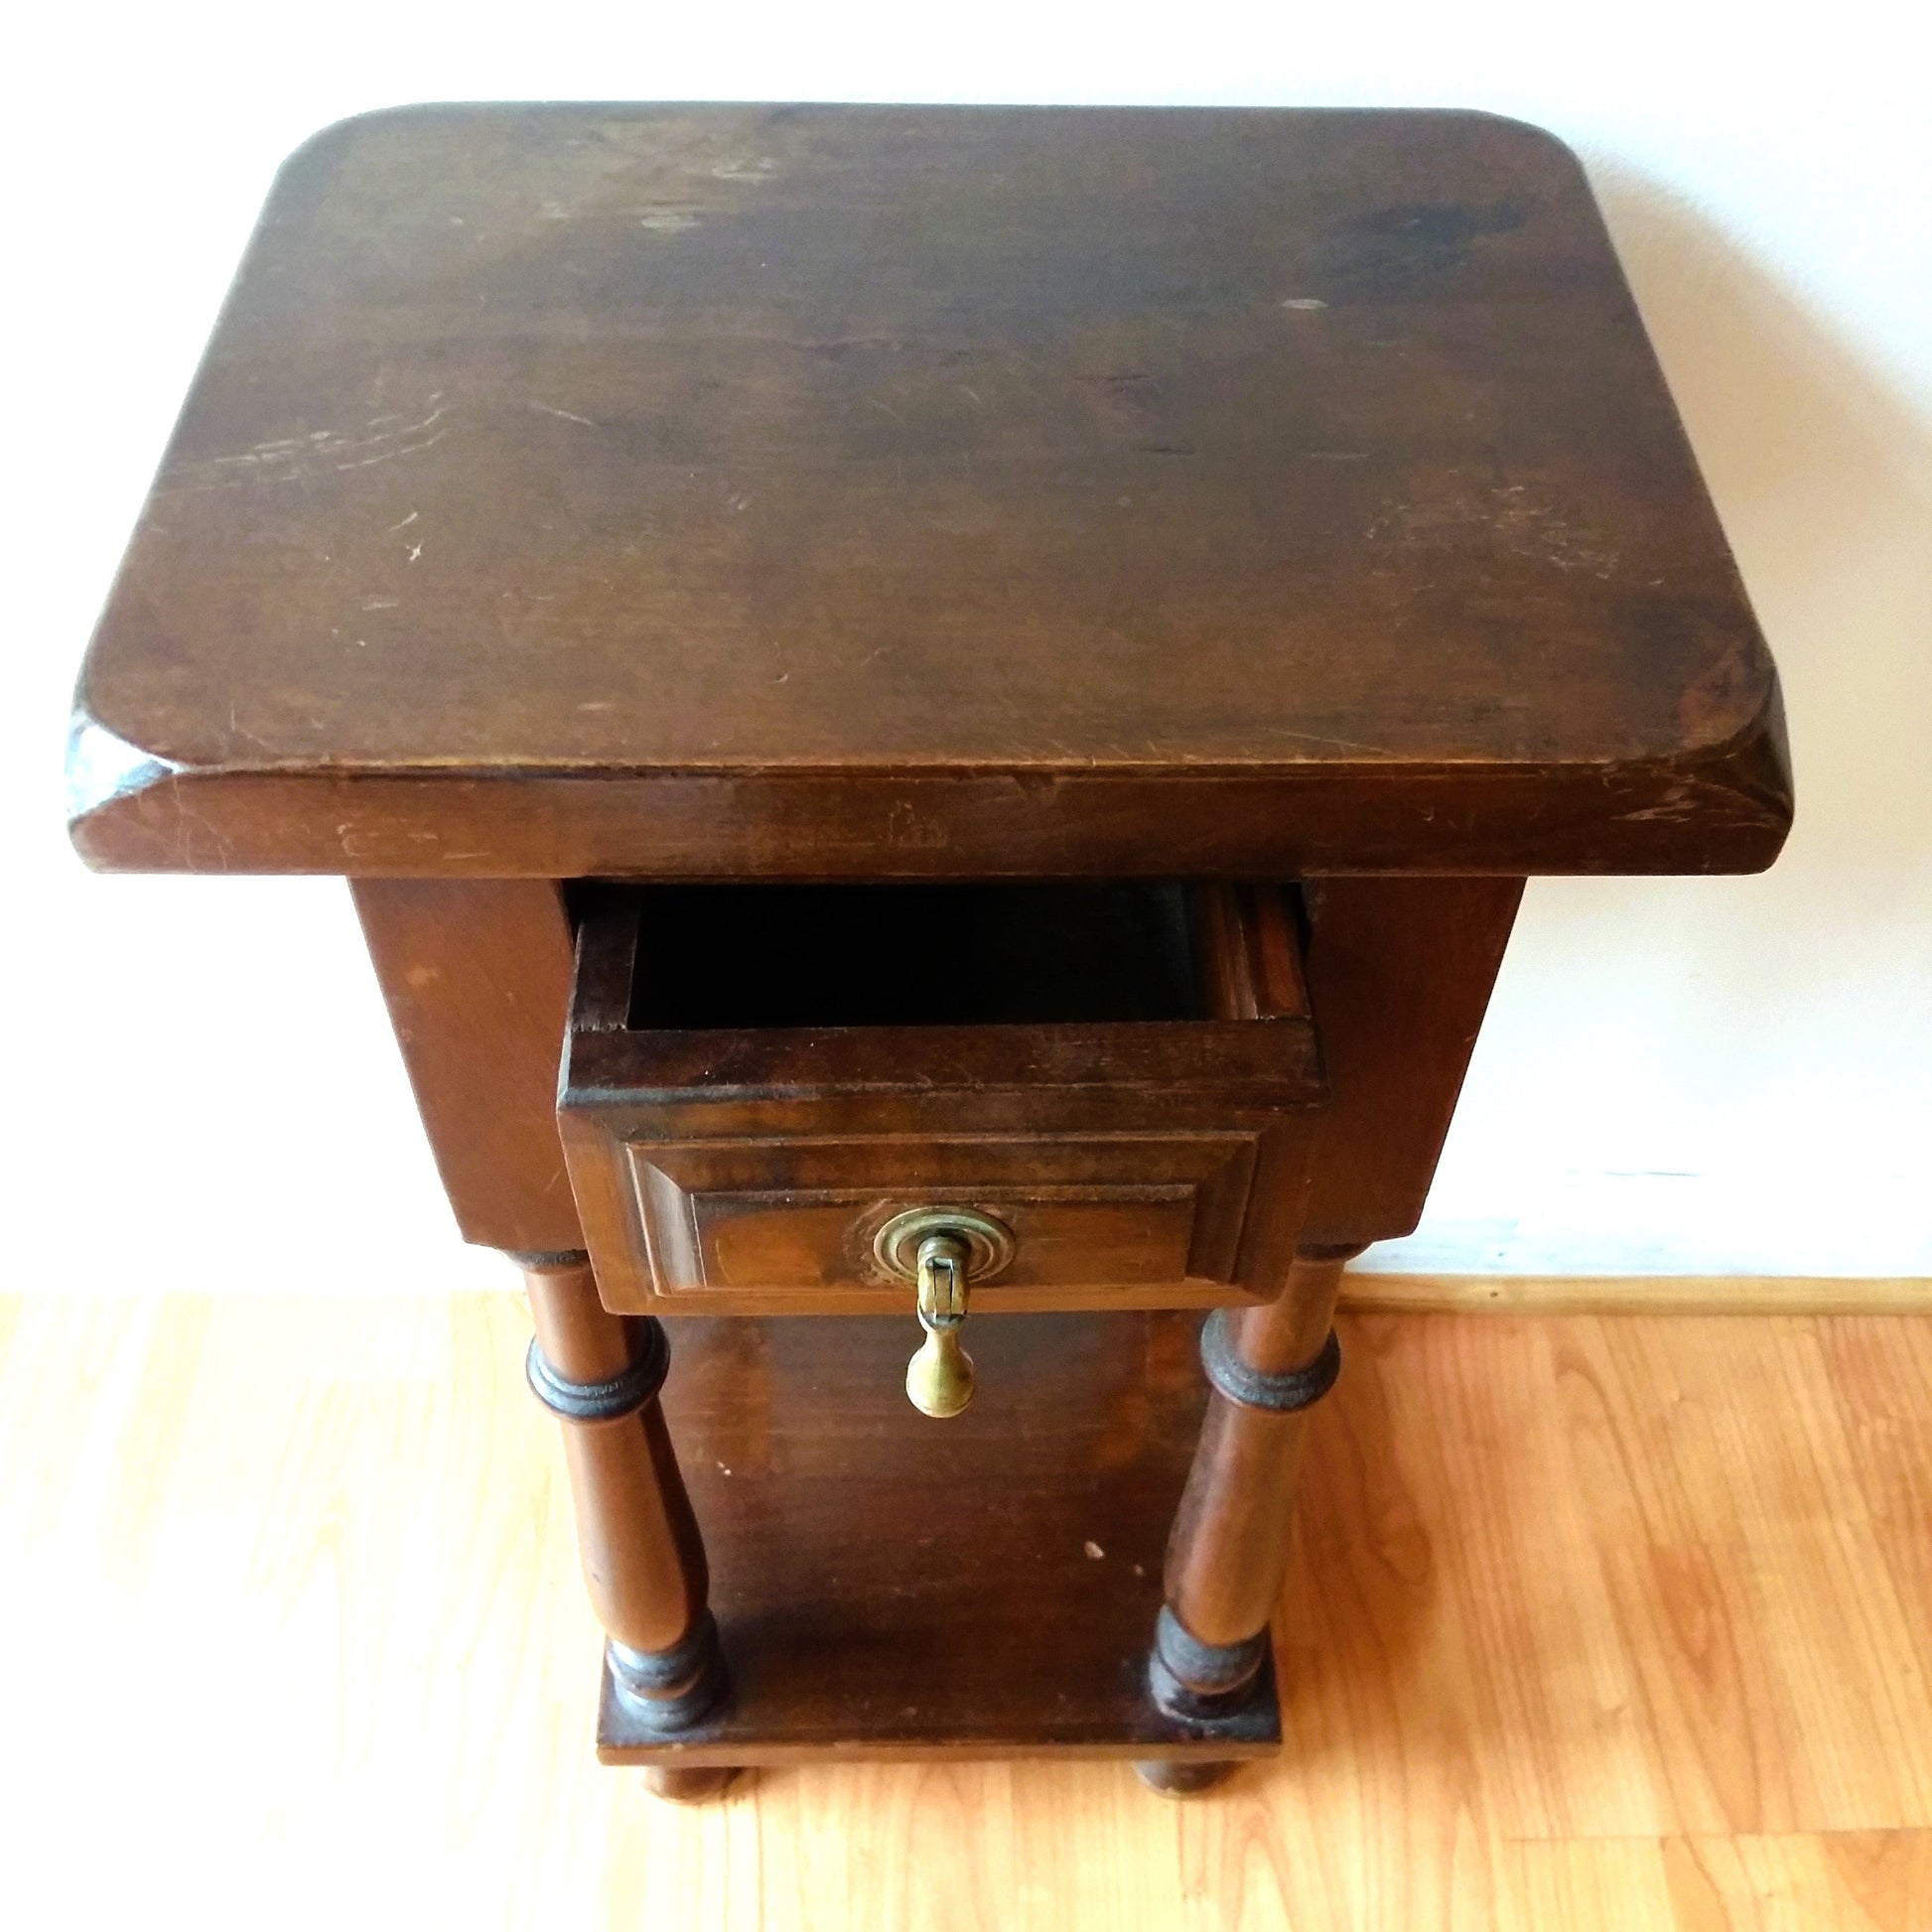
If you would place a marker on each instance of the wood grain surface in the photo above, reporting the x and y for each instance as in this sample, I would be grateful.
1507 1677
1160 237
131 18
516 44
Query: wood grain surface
1593 1623
740 491
476 974
1365 1290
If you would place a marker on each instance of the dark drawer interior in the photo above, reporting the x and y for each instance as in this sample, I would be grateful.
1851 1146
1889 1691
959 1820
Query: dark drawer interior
913 956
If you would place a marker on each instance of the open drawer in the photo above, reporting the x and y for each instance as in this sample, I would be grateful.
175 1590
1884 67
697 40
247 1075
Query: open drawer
764 1085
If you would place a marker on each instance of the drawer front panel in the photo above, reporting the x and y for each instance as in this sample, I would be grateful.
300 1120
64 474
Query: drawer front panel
783 1219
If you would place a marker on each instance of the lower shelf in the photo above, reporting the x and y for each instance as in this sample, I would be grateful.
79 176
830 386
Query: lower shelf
888 1587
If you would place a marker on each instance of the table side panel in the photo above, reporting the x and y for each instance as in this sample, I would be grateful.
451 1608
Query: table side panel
477 977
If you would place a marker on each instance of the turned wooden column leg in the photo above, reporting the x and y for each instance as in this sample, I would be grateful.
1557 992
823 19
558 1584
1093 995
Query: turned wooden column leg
643 1559
1227 1555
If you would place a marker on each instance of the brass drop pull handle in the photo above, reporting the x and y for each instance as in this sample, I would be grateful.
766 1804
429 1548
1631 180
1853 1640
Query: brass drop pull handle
939 1377
942 1250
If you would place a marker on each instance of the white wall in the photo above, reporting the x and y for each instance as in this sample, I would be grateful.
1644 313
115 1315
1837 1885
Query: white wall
1678 1077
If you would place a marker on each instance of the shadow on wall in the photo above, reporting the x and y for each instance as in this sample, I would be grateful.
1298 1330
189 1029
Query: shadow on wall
1755 1053
1822 472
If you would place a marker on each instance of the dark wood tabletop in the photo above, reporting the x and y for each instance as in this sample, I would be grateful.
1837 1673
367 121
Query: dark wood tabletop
857 492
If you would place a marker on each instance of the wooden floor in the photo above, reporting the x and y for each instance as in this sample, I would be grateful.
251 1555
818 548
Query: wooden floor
1608 1621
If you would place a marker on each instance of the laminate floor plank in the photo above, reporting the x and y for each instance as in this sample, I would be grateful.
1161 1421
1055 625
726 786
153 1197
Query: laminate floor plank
1594 1620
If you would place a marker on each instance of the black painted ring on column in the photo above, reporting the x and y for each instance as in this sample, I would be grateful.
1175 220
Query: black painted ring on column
668 1691
1201 1683
1256 1388
548 1260
622 1395
1206 1667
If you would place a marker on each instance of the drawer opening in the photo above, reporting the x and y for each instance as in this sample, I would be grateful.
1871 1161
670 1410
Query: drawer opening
759 1078
951 955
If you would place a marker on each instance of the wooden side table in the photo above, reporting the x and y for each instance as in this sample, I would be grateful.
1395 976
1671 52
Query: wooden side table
988 680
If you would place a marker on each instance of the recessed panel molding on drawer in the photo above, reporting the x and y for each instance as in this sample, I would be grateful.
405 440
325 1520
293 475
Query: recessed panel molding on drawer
783 1218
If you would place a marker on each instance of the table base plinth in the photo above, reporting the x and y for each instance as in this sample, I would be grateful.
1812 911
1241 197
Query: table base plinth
889 1586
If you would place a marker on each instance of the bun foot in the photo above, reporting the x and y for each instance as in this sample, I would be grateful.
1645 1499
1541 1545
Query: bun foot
695 1786
1182 1777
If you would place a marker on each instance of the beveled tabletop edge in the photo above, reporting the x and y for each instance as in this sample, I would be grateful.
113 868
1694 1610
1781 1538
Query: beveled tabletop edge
1727 808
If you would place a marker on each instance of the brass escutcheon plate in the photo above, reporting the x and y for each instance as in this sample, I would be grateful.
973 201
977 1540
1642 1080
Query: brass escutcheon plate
990 1244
